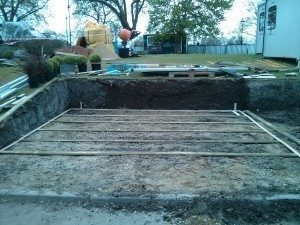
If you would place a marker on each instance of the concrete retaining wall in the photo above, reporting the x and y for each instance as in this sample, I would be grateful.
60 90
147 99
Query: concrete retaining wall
60 95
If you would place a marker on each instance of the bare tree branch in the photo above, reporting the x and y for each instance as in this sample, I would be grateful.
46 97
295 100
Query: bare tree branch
17 10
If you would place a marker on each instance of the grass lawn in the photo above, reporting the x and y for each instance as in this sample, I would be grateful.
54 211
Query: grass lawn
8 74
209 60
206 59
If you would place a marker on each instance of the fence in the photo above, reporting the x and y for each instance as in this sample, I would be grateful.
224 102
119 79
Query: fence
221 49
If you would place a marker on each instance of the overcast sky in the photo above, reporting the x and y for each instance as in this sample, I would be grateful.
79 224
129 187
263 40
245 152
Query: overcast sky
58 10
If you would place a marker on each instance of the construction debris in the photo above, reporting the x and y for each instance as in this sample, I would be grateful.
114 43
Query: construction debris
11 102
13 86
291 74
260 76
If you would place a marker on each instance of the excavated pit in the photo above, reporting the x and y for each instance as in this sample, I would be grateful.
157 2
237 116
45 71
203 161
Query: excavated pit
150 160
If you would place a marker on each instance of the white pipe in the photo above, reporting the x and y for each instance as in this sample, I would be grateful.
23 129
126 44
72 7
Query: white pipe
8 85
7 93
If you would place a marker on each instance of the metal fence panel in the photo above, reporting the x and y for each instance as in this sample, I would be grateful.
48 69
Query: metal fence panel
221 49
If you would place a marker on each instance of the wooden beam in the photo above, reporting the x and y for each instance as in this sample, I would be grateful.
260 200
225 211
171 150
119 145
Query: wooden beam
277 129
272 135
148 122
157 141
152 115
155 131
153 110
133 153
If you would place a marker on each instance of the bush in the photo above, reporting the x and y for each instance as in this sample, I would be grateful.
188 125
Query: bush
55 64
82 60
70 60
95 58
59 59
33 66
9 54
49 67
34 47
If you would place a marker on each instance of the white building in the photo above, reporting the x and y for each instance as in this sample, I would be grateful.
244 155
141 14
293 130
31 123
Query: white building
278 29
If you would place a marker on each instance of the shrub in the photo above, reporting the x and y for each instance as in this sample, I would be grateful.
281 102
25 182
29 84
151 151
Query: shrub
82 60
34 47
33 66
55 64
70 60
95 58
49 70
9 54
49 67
59 59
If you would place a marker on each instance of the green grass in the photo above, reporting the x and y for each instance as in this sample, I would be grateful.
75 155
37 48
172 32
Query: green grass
203 59
8 74
209 60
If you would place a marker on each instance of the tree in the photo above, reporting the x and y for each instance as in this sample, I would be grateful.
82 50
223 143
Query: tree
120 9
20 10
94 10
174 19
250 21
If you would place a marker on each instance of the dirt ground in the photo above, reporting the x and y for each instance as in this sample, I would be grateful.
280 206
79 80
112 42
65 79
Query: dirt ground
152 189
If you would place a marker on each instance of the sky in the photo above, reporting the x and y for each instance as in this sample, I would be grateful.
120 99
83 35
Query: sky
58 11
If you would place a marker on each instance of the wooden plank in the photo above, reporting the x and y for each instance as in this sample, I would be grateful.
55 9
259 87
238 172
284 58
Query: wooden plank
154 110
157 141
272 135
156 131
139 153
37 129
148 122
151 115
277 129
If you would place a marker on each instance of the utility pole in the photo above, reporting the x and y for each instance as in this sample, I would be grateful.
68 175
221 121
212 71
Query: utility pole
70 32
67 30
242 30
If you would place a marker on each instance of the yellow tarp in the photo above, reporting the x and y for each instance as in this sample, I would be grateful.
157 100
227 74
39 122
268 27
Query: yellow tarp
95 33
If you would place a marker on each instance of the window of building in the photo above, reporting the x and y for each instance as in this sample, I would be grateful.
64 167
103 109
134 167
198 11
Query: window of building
262 21
272 17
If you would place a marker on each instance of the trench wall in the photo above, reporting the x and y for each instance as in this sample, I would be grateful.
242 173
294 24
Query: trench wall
41 106
60 95
271 95
158 94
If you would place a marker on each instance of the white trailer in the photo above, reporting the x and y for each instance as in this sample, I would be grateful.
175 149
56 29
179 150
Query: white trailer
278 29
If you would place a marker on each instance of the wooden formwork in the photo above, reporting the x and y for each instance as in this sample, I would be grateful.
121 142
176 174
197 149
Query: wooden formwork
162 124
